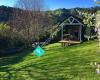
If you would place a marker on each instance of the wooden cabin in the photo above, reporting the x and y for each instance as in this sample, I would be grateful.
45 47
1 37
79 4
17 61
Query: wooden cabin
71 31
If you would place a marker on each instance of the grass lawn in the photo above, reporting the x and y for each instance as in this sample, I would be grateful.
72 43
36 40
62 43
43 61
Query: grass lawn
69 63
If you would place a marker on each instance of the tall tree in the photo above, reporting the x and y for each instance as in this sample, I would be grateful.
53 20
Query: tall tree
30 21
98 25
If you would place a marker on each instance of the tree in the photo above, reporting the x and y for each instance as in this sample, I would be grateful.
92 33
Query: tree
5 33
88 19
30 20
98 25
98 19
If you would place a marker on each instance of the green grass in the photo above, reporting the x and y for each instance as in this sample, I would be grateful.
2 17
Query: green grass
69 63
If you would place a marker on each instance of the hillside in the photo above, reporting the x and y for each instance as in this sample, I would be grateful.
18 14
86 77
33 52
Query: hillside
5 13
58 15
69 63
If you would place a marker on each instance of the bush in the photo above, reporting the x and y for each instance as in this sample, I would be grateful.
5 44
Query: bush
4 35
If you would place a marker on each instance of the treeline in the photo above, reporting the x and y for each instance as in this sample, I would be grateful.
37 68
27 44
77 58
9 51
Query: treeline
83 14
57 15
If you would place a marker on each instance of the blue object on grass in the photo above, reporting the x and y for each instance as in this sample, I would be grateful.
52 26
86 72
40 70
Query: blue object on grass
38 51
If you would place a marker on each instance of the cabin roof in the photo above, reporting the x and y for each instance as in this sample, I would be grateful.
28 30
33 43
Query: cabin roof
71 21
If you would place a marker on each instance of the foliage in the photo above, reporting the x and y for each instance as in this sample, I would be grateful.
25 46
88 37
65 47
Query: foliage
97 19
97 24
87 15
5 33
4 29
89 19
9 38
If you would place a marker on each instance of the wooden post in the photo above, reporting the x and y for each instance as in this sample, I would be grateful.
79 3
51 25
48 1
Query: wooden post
80 33
62 33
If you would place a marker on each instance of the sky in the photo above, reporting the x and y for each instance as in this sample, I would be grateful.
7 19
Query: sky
55 4
8 2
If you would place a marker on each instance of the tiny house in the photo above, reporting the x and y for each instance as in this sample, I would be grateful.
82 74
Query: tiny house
74 31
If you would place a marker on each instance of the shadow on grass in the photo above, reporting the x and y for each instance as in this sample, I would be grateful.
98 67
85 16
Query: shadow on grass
18 57
37 73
